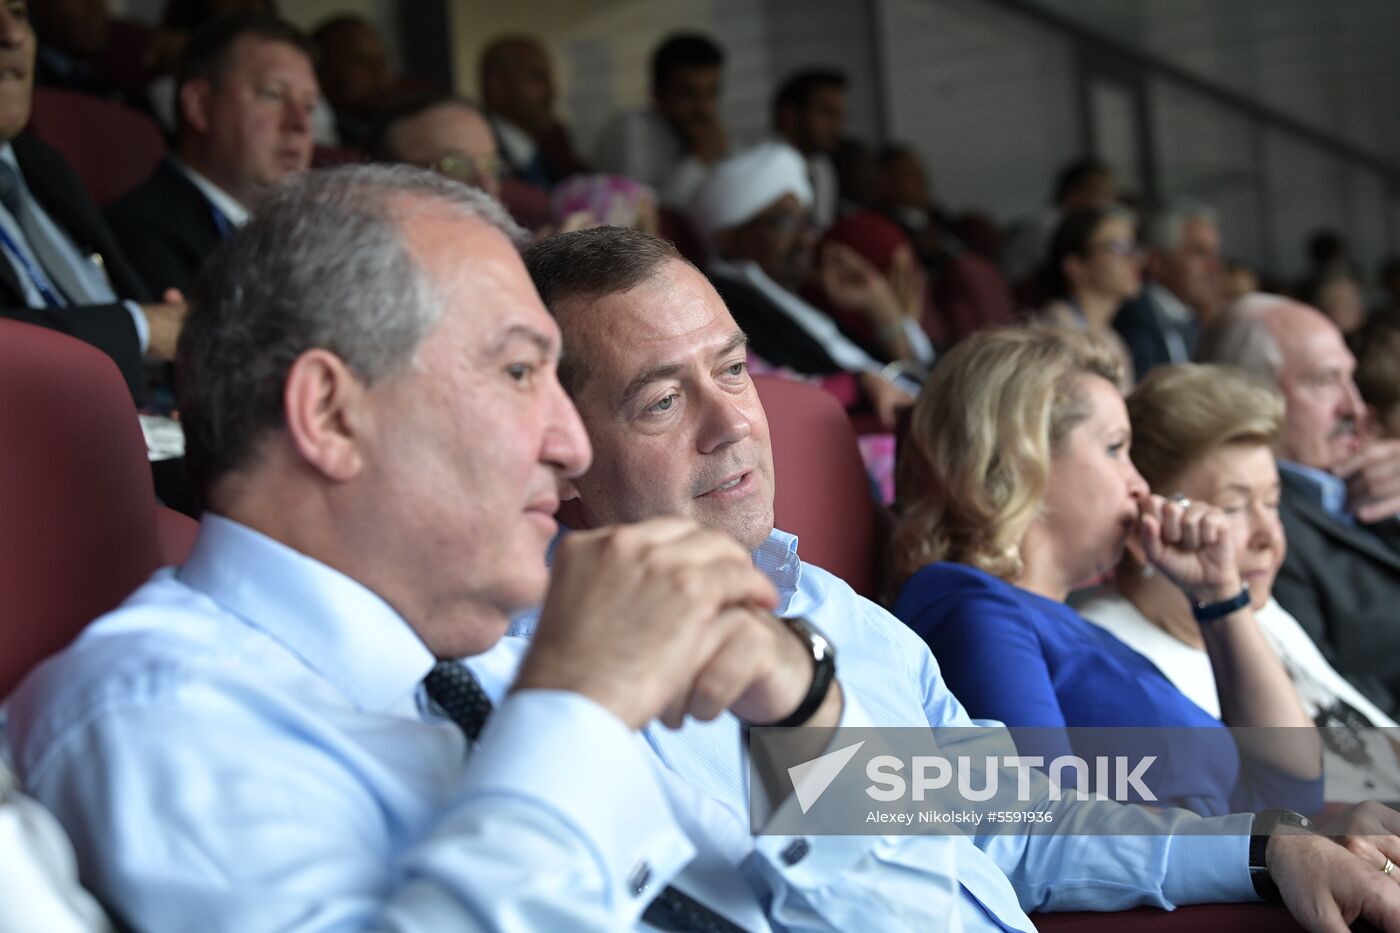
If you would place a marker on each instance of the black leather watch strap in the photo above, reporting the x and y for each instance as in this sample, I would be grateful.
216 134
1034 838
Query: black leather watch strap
823 671
1265 822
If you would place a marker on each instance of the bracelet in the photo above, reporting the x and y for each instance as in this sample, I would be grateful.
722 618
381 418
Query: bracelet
823 672
1209 612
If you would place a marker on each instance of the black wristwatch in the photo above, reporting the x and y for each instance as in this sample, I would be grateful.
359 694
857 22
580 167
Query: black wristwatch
1209 612
1265 822
823 671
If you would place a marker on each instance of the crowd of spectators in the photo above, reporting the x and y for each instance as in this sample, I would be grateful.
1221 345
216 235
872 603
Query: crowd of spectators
1133 490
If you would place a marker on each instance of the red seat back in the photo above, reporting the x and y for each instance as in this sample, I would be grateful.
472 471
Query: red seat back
78 514
112 147
823 495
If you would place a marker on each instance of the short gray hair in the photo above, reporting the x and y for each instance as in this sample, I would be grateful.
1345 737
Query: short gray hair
1163 232
1239 336
323 263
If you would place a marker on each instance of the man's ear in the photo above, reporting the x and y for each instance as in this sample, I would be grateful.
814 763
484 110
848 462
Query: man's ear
324 405
194 103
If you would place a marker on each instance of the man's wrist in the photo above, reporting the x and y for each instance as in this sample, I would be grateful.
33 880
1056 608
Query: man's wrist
823 657
1268 824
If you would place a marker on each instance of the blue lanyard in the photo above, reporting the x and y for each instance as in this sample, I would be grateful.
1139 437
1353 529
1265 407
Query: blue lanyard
36 275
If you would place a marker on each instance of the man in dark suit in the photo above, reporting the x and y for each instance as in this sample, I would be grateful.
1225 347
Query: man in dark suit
1340 487
1183 290
246 90
60 265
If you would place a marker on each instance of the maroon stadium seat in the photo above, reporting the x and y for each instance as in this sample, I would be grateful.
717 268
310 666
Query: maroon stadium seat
81 528
112 147
823 495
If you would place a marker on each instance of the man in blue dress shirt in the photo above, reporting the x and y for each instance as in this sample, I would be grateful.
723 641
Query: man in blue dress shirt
655 364
274 736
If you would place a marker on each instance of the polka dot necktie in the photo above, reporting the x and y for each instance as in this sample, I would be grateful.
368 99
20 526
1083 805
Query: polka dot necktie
458 694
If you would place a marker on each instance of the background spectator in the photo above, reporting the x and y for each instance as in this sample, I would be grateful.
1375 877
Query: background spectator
1184 287
356 74
247 89
670 144
517 93
809 114
1093 266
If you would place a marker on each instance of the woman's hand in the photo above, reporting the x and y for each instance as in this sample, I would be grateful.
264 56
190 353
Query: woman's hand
1190 542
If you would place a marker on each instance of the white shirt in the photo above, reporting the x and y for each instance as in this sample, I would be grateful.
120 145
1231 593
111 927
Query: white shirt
223 202
642 145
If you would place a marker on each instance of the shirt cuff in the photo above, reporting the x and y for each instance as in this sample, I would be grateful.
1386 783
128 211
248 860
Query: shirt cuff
570 757
1211 864
138 318
813 861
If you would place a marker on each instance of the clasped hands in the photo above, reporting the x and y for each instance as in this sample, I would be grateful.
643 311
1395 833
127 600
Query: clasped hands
666 619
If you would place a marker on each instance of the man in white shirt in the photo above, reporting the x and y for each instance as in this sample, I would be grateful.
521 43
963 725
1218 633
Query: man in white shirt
671 144
246 89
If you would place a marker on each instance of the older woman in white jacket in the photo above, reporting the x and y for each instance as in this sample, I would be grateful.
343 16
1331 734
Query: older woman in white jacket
1205 433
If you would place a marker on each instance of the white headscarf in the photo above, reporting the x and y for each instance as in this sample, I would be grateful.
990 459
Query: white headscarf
744 185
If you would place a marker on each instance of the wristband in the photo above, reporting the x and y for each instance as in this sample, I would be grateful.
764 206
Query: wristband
823 671
1209 612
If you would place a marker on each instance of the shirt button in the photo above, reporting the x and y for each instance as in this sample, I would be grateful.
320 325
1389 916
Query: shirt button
640 879
796 851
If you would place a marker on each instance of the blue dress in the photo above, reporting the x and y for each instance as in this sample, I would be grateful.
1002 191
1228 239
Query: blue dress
1027 661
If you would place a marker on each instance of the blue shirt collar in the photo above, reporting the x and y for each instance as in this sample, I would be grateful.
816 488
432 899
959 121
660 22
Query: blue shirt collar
1331 490
338 627
776 558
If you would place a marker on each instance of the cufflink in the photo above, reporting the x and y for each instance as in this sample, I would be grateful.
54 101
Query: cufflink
640 879
796 851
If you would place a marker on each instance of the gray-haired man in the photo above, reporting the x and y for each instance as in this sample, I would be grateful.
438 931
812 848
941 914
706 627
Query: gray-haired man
275 736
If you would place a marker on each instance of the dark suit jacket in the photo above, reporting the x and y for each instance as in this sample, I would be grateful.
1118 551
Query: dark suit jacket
1141 325
167 228
107 327
1342 583
772 334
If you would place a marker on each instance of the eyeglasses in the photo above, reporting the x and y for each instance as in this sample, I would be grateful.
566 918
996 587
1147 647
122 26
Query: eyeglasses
473 170
1126 248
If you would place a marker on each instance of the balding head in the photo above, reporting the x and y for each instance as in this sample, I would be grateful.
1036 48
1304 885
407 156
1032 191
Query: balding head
1302 351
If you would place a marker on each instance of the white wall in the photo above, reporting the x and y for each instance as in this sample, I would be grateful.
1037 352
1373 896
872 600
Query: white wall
986 96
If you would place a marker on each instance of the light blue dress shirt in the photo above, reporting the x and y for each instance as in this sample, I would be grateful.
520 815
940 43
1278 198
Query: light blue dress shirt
889 668
243 745
1331 490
